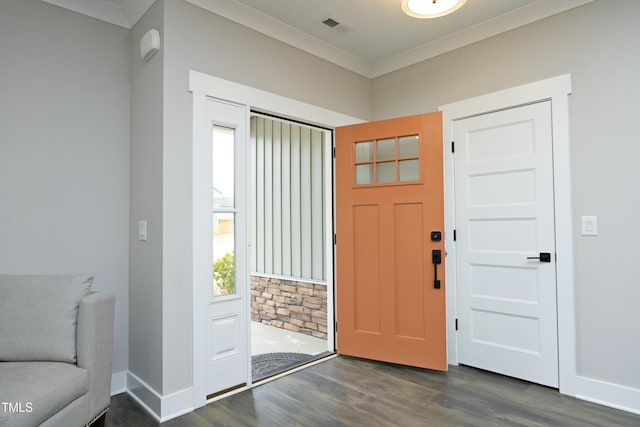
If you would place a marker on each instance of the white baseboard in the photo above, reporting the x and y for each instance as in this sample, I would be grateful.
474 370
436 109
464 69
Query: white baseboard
145 395
608 394
118 382
176 404
161 408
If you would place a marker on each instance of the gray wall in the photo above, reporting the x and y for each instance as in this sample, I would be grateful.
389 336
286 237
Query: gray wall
64 149
65 86
598 45
200 40
145 270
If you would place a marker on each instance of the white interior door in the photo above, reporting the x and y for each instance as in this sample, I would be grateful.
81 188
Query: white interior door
226 284
505 217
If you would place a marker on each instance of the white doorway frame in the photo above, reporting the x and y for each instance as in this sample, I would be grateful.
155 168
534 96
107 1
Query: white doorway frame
557 90
204 87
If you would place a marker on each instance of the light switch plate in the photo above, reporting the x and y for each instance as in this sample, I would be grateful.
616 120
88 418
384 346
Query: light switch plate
589 225
142 231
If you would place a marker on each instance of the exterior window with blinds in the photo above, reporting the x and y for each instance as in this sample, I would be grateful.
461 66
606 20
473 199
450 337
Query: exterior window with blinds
288 191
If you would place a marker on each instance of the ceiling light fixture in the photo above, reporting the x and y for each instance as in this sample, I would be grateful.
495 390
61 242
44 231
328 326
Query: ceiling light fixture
430 8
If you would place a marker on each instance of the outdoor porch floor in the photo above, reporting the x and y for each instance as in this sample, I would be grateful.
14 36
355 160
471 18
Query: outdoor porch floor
269 339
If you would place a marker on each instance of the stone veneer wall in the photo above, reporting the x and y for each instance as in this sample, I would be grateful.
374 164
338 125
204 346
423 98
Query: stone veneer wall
290 304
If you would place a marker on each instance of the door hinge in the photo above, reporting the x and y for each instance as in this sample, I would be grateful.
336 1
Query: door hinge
335 239
336 327
334 152
453 146
456 324
454 235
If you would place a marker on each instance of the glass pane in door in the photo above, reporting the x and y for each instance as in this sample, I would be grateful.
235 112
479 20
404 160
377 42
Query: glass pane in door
409 170
223 182
224 271
408 146
223 215
364 174
386 149
387 172
364 151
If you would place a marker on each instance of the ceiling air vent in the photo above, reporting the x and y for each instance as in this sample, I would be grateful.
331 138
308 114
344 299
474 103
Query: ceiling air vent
334 24
330 22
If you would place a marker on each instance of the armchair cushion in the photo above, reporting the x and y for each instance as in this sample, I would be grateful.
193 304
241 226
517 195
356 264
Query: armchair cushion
38 316
40 389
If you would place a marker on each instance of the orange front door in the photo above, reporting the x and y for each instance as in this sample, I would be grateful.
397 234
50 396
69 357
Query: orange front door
389 198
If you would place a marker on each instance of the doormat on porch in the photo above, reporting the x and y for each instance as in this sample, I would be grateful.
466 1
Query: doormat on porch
264 365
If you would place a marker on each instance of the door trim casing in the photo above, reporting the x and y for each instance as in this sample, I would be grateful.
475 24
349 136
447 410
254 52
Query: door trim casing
204 87
557 90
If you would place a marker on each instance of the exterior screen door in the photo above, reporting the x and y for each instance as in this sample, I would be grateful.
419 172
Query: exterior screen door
389 201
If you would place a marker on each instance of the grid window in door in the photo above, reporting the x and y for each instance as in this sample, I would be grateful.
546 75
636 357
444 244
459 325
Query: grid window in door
387 161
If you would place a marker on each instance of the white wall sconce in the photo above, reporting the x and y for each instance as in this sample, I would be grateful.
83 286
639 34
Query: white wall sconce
149 44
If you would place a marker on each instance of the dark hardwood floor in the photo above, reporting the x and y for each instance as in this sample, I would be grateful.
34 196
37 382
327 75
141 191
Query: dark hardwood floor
347 391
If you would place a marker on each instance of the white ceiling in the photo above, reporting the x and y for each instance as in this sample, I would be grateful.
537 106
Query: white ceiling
378 29
376 37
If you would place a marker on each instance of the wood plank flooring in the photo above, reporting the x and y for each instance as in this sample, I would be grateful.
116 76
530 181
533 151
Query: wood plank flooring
347 391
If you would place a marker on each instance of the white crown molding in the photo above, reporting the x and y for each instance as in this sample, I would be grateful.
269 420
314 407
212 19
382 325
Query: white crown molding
278 30
271 27
500 24
134 9
123 16
131 10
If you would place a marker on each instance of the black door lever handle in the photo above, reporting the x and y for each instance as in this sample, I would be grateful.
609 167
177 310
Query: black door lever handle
544 257
436 258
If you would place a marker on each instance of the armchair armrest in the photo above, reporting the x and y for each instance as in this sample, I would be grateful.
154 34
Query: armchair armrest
94 346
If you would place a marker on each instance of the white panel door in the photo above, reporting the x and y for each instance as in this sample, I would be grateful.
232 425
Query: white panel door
505 217
227 268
